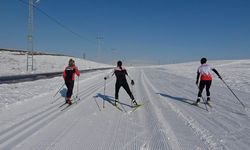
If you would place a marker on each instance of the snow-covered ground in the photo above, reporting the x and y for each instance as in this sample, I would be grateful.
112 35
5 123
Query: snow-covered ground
31 115
15 63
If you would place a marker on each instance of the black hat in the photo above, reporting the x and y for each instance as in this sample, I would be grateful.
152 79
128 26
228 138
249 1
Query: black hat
203 60
119 63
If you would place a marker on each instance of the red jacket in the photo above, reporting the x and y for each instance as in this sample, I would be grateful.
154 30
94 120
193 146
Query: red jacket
69 73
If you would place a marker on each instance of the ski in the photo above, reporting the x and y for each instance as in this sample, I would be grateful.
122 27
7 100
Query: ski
65 108
116 105
209 104
74 101
137 107
118 108
197 105
194 103
62 105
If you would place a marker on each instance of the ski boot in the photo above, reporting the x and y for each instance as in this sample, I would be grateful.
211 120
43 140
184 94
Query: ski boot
208 99
134 103
69 101
116 102
197 101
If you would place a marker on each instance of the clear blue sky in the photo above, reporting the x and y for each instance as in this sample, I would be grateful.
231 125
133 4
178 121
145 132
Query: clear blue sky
153 31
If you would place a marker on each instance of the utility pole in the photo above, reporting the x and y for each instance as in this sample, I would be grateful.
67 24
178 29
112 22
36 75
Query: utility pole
84 55
114 55
30 48
99 38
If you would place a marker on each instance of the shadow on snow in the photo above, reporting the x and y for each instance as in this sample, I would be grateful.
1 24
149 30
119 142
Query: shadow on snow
110 99
180 99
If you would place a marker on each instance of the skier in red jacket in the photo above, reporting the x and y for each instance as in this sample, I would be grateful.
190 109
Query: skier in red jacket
69 78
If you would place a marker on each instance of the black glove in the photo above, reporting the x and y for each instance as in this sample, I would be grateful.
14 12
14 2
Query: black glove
220 77
132 82
105 78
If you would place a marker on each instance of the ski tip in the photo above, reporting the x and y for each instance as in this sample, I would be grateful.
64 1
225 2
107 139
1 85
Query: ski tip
195 104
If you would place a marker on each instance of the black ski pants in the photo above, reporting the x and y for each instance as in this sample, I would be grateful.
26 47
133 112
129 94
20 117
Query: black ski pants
118 85
70 86
203 84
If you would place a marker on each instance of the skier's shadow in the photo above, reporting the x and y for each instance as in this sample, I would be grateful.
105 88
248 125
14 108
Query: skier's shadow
110 99
180 99
63 92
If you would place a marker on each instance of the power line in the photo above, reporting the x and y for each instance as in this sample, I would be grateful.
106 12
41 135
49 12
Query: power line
67 28
59 23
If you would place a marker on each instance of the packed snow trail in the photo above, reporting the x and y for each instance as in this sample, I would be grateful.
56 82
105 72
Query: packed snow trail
166 121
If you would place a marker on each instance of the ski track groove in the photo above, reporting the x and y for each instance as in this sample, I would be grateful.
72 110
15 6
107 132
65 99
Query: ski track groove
87 93
205 135
219 114
20 131
170 140
132 126
156 131
114 137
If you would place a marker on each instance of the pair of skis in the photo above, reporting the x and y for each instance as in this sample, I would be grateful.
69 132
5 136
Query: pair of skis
206 103
74 101
134 108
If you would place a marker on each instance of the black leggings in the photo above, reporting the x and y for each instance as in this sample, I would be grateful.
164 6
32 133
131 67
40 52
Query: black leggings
70 86
125 86
202 85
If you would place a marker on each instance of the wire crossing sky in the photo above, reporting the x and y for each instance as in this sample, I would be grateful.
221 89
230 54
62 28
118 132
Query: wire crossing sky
135 31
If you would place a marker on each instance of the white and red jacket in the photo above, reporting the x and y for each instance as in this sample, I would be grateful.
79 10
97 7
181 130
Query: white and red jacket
204 72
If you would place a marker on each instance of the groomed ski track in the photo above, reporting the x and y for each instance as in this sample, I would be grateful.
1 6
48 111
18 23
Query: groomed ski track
166 121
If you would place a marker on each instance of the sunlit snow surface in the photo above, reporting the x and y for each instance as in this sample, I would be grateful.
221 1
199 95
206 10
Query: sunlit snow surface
31 116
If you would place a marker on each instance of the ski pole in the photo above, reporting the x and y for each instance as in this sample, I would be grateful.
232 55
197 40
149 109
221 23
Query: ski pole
77 89
104 93
132 88
59 90
203 99
233 93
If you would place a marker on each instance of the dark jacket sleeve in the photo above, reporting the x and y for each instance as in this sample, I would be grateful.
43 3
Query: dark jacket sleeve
216 72
197 77
126 73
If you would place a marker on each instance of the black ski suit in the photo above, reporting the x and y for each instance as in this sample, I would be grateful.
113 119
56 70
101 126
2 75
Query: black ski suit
121 80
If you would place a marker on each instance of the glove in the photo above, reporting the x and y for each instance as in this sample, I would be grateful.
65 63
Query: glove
220 77
132 82
105 78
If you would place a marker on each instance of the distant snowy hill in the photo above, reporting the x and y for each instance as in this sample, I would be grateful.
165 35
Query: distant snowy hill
14 63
